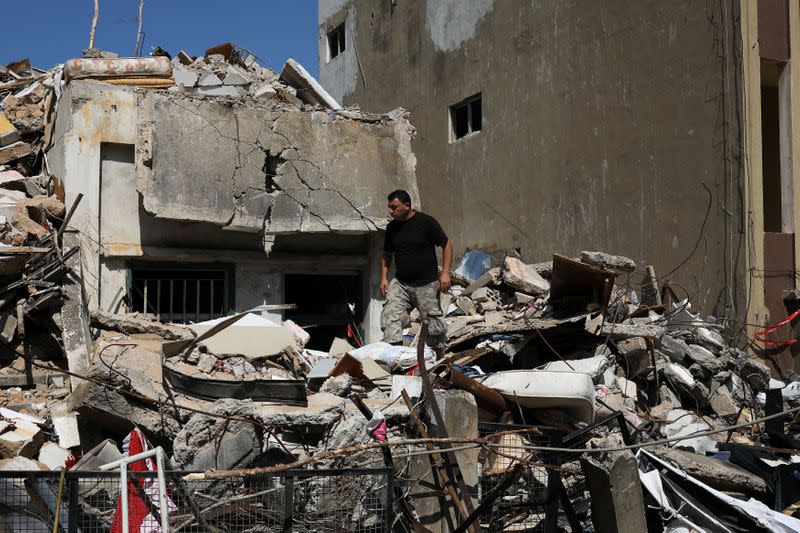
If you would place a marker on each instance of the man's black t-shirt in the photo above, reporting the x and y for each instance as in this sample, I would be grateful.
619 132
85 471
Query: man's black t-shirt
412 241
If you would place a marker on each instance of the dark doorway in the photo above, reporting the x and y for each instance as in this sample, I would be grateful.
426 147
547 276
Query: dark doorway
324 305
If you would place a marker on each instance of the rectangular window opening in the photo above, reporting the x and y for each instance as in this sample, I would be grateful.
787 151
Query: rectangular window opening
336 42
181 293
466 118
773 194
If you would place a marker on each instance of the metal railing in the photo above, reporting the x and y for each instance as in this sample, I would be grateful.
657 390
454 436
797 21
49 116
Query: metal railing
297 500
181 300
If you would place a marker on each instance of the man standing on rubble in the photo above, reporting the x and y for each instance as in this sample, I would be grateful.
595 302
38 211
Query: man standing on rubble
411 238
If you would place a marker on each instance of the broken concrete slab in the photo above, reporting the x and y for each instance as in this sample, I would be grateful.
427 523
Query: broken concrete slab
236 76
710 363
721 401
185 78
616 493
711 339
615 262
263 90
524 278
339 347
135 323
676 349
53 455
208 79
216 443
721 475
626 387
308 88
76 337
226 90
754 372
24 439
252 336
103 453
460 415
14 151
66 427
338 385
309 186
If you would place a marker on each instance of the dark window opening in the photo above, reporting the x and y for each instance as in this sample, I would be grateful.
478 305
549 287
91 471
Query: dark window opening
466 117
324 305
770 148
181 293
336 41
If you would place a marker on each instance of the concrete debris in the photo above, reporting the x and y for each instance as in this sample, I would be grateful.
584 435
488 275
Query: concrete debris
564 350
206 443
615 262
524 278
133 323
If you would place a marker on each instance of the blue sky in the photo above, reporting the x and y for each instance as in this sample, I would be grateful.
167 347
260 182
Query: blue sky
52 31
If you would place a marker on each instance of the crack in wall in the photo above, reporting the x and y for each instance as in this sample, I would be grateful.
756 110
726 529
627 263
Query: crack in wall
273 169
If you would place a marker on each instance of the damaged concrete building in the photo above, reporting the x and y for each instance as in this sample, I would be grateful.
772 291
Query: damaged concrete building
648 128
570 394
198 206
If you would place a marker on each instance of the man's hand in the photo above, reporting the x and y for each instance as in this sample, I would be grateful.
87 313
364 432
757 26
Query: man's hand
444 281
384 287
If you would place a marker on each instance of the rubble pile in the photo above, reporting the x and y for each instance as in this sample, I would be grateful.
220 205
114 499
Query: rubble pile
33 265
227 70
583 374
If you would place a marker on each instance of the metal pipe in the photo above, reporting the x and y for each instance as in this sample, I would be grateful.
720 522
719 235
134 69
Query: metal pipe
123 479
128 460
162 490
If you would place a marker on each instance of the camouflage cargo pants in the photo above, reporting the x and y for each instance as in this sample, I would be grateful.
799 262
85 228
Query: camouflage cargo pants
401 298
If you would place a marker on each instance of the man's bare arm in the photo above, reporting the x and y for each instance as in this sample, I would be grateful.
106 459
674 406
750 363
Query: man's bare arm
447 260
386 262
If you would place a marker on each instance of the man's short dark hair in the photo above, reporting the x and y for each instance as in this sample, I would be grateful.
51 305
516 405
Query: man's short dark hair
401 195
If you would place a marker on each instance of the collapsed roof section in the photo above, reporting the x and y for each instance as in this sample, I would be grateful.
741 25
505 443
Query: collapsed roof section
255 153
266 166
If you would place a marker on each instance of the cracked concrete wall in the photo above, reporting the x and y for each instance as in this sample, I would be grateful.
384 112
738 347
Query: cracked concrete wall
268 168
89 115
603 122
329 172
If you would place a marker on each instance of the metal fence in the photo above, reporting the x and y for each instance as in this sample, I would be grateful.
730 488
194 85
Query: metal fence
299 500
528 501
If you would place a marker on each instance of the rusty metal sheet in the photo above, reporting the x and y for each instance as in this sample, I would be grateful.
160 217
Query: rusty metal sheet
576 281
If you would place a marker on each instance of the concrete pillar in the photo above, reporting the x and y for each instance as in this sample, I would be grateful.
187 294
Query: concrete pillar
460 415
616 493
374 300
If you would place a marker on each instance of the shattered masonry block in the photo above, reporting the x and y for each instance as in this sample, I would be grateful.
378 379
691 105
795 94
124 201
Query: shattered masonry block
53 455
524 278
265 90
236 76
14 151
228 90
208 79
634 344
676 349
186 78
614 262
706 359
